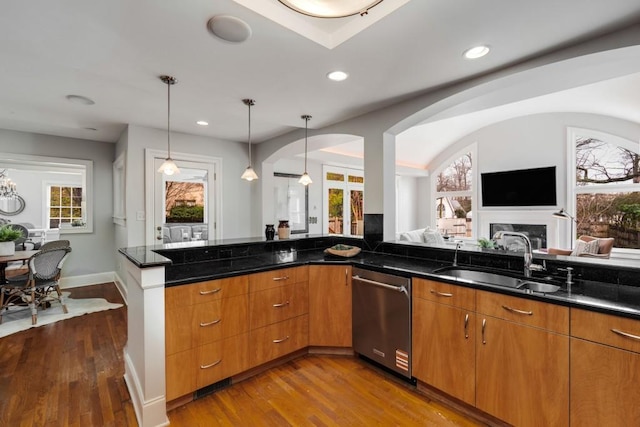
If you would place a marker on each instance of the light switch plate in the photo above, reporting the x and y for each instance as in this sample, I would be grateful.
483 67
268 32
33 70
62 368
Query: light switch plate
140 215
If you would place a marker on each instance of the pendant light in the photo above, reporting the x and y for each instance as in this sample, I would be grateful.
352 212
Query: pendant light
169 167
249 174
305 179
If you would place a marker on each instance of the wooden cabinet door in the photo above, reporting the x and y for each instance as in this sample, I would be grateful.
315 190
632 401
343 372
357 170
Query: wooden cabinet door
279 339
220 319
330 306
444 348
522 373
222 359
605 387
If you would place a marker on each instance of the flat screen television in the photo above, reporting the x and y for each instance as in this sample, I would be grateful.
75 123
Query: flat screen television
522 187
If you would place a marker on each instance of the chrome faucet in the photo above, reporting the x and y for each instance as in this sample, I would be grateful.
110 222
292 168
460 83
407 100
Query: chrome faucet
528 254
455 254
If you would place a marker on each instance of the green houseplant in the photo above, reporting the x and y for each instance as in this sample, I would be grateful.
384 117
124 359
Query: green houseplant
8 235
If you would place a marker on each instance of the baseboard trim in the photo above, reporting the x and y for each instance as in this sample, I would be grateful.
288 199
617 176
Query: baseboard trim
152 413
86 280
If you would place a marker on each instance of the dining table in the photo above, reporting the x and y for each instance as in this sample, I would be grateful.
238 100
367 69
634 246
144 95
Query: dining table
17 256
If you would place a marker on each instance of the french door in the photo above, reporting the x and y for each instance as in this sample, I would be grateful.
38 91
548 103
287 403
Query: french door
343 201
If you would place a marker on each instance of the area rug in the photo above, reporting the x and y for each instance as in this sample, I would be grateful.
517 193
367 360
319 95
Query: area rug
19 318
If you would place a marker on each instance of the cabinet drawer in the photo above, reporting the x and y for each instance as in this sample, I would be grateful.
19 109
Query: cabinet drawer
222 359
528 312
178 331
197 293
274 278
220 319
607 329
445 293
279 339
180 374
277 304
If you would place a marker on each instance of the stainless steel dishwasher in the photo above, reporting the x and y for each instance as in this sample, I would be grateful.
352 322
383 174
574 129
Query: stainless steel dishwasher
382 319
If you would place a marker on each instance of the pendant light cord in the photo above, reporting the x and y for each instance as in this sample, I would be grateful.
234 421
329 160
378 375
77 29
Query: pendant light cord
169 118
306 118
249 103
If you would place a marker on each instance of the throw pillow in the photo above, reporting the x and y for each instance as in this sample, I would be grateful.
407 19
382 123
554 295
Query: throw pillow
433 237
583 247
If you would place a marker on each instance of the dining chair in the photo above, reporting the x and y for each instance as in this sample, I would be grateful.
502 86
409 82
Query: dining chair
55 244
38 286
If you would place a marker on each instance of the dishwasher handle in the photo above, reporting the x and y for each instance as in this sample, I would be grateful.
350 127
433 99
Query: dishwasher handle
402 289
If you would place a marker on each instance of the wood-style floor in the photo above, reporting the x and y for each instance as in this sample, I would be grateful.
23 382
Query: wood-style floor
70 373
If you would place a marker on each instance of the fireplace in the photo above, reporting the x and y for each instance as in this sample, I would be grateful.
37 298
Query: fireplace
537 233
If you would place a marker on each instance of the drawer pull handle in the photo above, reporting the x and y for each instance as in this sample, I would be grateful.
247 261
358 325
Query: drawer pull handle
276 279
215 322
281 340
282 304
212 291
441 294
515 310
484 325
466 326
217 362
626 334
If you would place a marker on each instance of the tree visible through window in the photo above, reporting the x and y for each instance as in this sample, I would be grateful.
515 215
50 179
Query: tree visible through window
607 190
454 197
65 206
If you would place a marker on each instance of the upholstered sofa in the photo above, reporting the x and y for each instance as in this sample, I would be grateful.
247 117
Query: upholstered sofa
184 232
422 235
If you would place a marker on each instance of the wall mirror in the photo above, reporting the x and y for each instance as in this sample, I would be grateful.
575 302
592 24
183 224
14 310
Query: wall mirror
291 202
53 192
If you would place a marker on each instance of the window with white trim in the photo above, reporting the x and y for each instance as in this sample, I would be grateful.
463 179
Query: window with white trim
64 206
454 194
606 186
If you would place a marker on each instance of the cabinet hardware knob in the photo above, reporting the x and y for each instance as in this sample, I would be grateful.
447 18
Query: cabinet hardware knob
484 325
282 304
441 294
217 362
215 322
515 310
281 340
626 334
276 279
466 326
212 291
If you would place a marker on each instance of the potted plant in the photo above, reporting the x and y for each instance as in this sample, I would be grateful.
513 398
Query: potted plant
8 235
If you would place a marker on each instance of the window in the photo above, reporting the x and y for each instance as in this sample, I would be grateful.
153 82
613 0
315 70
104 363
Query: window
292 201
343 201
454 196
606 187
65 206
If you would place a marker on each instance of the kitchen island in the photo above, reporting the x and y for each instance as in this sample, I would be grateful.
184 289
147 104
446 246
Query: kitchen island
153 270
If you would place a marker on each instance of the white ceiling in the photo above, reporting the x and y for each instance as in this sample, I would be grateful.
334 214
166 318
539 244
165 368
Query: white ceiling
113 52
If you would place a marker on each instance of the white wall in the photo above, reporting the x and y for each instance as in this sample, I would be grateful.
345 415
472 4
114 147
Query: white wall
92 252
527 142
236 193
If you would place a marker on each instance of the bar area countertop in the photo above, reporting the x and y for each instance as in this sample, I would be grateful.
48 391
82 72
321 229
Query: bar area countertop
598 284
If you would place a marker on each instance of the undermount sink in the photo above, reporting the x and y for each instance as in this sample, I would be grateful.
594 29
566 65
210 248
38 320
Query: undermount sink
497 279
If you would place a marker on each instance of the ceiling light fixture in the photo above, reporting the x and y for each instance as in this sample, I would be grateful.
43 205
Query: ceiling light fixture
169 167
305 179
337 76
476 52
249 174
7 187
331 8
202 123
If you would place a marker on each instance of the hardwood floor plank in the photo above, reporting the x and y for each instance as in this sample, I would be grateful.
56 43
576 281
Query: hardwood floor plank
75 378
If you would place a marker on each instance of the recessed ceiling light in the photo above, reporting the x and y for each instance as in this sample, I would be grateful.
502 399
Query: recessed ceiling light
476 52
79 99
202 123
229 28
337 76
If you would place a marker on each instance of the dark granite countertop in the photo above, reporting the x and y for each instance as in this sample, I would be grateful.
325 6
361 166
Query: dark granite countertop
612 298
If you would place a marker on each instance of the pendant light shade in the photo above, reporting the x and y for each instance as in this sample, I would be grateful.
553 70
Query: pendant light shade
169 167
249 174
305 179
